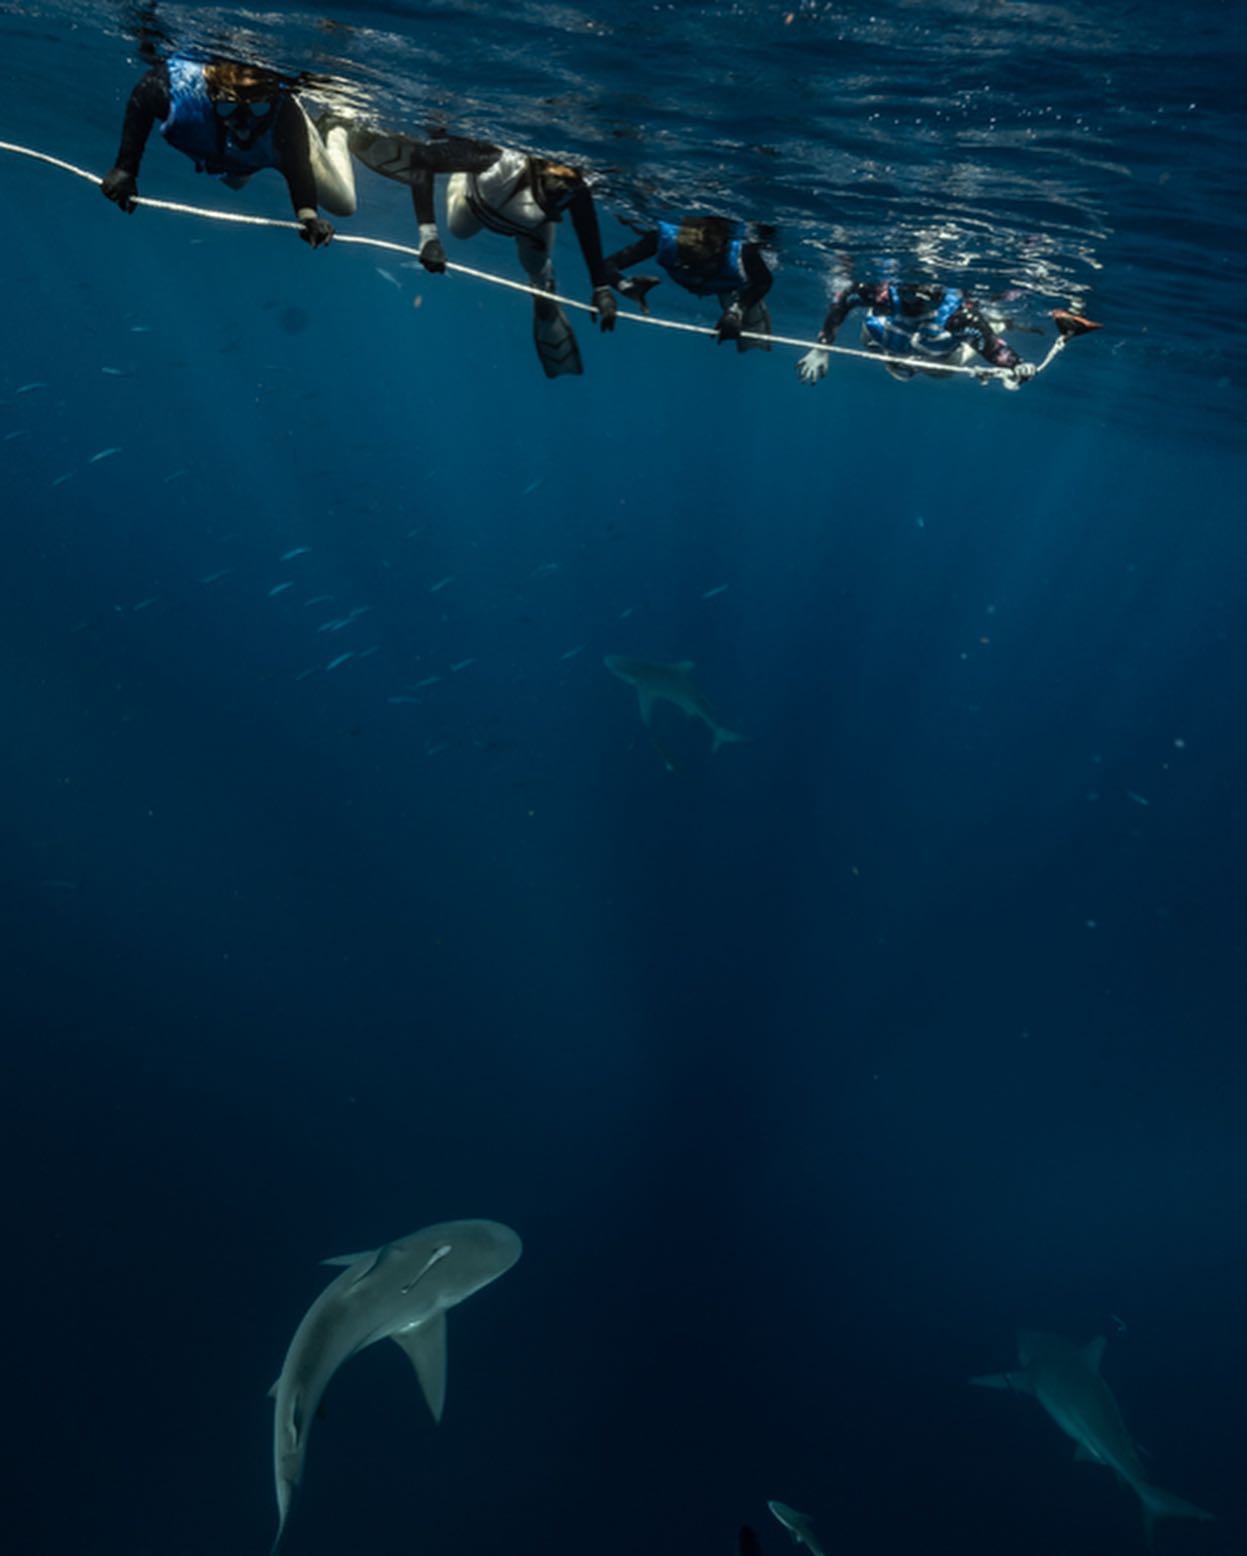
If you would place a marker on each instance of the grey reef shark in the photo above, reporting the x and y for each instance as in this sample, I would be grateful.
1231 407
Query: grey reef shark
399 1292
1065 1379
655 682
799 1525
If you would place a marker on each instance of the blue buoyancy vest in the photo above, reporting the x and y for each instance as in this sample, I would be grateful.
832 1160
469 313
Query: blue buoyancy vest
727 276
928 335
194 128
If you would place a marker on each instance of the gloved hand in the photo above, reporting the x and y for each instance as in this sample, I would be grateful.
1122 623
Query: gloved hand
120 187
316 231
636 288
731 323
813 365
604 308
1018 375
433 257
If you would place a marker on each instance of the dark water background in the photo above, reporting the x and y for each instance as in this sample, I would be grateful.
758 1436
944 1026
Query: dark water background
806 1072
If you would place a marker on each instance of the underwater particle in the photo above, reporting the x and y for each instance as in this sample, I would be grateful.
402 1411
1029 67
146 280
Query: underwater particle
31 387
387 276
1092 923
1178 743
289 556
417 301
341 659
572 652
104 453
61 479
294 320
401 699
461 664
920 522
281 587
211 578
317 599
544 570
143 604
1139 799
441 584
718 589
532 487
436 748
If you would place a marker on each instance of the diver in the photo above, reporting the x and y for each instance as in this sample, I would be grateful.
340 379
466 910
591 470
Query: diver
525 197
232 120
927 321
710 257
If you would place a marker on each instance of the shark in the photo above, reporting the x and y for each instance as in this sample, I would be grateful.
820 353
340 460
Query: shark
1065 1379
654 682
799 1525
398 1292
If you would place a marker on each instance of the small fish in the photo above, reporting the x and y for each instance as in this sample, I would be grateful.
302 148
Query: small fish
303 674
429 680
462 664
140 329
544 570
367 653
401 699
332 624
211 578
572 652
532 486
386 276
174 475
104 453
718 589
318 599
280 588
1139 799
22 432
441 584
623 615
341 659
143 604
30 388
61 479
289 556
114 372
436 748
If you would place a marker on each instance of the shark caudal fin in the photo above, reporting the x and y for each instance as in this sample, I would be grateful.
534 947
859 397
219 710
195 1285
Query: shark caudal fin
1163 1504
727 737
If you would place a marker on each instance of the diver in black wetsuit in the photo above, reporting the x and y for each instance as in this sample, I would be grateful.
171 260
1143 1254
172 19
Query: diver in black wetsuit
936 322
710 257
233 120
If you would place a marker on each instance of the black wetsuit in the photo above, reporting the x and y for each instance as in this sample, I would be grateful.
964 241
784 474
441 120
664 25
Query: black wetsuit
916 303
150 101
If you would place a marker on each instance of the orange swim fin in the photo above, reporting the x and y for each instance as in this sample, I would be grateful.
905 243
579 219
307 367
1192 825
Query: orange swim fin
1070 324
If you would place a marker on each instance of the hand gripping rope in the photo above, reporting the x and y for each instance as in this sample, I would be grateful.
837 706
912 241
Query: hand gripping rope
1066 329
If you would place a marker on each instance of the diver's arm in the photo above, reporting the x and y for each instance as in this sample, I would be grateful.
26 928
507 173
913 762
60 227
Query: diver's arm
149 101
758 276
589 234
294 158
970 324
645 247
845 300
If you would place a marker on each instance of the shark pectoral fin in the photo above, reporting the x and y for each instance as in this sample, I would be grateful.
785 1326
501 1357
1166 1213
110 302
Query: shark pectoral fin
727 737
425 1347
272 1393
1093 1354
347 1259
1001 1380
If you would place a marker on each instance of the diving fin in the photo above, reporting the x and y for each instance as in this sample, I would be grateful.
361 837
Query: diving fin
1071 324
554 339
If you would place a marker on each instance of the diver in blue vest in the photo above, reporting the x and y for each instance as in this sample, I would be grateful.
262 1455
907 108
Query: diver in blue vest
233 120
926 321
710 257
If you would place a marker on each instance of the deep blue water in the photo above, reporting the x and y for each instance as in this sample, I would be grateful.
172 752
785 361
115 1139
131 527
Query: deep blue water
808 1071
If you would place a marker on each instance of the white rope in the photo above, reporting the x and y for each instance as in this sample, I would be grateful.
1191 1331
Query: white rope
925 364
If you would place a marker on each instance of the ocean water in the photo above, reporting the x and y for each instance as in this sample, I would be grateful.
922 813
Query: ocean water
808 1070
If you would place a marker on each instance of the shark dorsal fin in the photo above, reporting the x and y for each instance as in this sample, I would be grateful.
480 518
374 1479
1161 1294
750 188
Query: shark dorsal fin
345 1259
1093 1354
425 1347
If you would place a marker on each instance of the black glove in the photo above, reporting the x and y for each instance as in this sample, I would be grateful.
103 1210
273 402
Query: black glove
433 257
636 287
604 308
316 231
731 324
120 187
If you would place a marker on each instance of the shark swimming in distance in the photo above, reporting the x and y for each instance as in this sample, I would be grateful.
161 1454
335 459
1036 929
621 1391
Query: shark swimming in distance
1066 1381
798 1525
399 1292
655 682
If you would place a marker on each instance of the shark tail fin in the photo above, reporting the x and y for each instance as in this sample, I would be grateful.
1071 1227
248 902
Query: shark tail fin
1163 1504
1001 1380
727 737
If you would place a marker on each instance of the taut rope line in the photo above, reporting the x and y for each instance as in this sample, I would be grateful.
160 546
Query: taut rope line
240 218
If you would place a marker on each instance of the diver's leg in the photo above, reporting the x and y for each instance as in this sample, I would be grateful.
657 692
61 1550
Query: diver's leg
334 170
461 219
552 334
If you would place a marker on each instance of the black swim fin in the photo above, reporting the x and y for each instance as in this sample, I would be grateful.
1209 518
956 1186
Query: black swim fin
555 340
